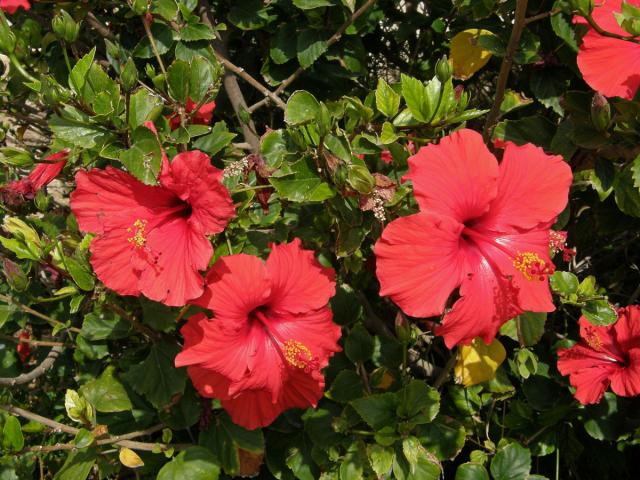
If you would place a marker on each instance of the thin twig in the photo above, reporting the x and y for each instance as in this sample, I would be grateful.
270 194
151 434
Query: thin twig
40 370
505 68
444 374
100 27
154 47
118 440
592 23
143 329
31 341
333 39
46 318
542 16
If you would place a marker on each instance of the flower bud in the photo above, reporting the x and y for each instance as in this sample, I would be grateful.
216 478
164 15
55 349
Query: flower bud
443 69
360 179
139 7
53 92
583 7
21 231
16 278
129 75
65 27
600 112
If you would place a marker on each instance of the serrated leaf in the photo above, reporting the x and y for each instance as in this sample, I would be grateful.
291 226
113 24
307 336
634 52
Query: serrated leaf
178 79
214 142
415 95
303 184
310 46
302 107
78 75
194 463
106 393
387 100
512 462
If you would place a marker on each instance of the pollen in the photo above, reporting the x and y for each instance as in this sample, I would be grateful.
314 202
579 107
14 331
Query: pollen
593 339
298 355
532 266
139 238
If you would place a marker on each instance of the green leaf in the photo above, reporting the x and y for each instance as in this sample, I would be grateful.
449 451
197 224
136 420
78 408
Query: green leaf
101 325
282 48
79 133
302 107
418 402
214 142
143 106
167 9
444 437
106 393
78 465
512 462
163 37
194 463
310 46
78 75
377 410
345 305
627 190
310 4
200 78
531 326
535 129
347 386
248 14
564 283
563 29
156 377
352 465
178 79
303 184
415 94
12 438
193 32
359 344
381 459
81 272
413 462
599 312
387 100
471 471
144 158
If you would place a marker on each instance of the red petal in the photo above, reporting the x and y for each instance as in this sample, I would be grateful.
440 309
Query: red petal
10 6
179 253
532 189
419 262
626 381
610 66
456 178
627 328
298 282
192 178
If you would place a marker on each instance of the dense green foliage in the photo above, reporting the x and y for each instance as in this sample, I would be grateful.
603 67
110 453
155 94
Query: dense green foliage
347 80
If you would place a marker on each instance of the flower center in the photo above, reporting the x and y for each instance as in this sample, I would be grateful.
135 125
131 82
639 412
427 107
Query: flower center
298 355
532 266
593 339
139 238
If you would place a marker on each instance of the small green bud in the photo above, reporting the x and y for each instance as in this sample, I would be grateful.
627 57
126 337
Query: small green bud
443 69
53 92
24 233
78 408
583 7
360 179
600 113
16 278
340 174
65 27
139 7
129 75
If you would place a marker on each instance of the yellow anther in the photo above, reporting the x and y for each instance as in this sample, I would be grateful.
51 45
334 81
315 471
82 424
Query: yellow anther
532 266
139 238
297 354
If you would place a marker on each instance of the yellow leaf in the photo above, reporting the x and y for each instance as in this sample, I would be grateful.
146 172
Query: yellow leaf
478 362
129 458
466 53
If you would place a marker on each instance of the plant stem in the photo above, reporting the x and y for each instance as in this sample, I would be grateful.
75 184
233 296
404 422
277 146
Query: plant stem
154 47
52 321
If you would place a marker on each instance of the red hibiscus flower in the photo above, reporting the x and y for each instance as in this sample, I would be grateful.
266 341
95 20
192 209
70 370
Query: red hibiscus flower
606 356
153 239
609 65
24 347
202 117
271 336
483 227
40 176
11 6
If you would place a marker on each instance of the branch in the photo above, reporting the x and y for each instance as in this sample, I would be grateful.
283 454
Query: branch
505 68
592 23
333 39
444 373
119 440
40 370
52 321
154 47
230 83
100 27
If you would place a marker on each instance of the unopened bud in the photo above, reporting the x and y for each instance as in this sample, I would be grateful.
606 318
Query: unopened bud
139 7
129 75
443 69
65 27
16 278
600 112
360 179
583 7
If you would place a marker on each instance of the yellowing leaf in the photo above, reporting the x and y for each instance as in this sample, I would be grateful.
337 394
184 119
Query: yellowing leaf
478 362
129 458
466 53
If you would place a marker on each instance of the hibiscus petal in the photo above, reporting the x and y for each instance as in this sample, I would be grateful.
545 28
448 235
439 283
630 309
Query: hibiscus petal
11 6
252 409
236 285
532 189
456 178
111 197
419 262
488 300
192 177
626 381
179 254
209 383
112 258
610 66
298 282
627 327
